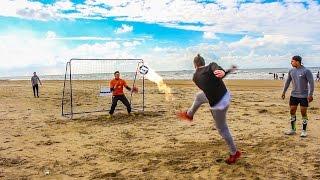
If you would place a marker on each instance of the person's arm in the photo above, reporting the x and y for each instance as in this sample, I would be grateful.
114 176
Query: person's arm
286 85
215 66
311 85
126 86
111 86
232 69
218 71
39 80
133 89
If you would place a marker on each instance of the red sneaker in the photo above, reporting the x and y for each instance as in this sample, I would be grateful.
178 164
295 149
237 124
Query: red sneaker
233 158
184 116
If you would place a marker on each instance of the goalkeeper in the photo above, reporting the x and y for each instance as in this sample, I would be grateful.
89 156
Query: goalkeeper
116 86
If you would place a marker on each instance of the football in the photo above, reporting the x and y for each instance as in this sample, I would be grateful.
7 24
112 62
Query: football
143 69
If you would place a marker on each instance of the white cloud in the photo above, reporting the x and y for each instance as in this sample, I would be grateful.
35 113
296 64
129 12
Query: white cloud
228 3
134 41
157 49
266 40
124 29
286 29
51 35
64 5
111 3
209 35
35 10
79 38
291 17
48 56
27 50
131 44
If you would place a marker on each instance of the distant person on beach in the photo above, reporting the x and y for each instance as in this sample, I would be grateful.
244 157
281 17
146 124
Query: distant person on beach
318 76
274 76
116 86
282 77
302 93
35 87
209 80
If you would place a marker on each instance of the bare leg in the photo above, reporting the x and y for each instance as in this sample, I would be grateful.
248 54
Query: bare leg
293 110
304 117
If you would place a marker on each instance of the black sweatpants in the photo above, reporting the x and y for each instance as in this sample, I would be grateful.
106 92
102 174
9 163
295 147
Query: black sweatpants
115 100
35 89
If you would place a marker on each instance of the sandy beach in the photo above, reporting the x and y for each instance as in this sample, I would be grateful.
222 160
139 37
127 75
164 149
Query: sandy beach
38 143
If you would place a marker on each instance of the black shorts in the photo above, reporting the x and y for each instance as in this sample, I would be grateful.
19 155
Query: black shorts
294 101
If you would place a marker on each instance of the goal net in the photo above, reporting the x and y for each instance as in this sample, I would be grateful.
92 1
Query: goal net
86 85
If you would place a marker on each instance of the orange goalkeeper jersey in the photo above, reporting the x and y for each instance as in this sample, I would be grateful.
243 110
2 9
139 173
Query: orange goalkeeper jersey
117 85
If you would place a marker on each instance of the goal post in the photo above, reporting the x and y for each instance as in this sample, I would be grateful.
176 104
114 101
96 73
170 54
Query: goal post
86 85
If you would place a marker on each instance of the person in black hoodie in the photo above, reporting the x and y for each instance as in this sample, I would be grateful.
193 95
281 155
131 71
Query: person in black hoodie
209 80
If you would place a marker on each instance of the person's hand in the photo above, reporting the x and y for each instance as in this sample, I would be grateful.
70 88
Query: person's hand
219 73
310 98
283 96
134 89
233 68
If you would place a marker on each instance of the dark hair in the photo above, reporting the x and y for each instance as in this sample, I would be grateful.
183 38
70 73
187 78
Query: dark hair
297 58
116 72
199 61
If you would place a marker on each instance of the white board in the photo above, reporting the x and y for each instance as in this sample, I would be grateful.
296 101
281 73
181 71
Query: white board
105 91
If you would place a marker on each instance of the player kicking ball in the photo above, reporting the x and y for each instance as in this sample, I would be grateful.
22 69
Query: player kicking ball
209 80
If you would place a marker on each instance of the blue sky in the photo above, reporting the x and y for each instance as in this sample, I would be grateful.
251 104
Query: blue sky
167 34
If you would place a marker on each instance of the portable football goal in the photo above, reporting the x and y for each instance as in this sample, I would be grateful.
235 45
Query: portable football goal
86 85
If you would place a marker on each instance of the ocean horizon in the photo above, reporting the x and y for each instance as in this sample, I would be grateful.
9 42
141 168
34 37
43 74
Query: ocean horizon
241 74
